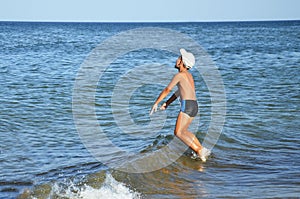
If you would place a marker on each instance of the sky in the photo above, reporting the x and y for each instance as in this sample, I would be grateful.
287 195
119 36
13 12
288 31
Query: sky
148 10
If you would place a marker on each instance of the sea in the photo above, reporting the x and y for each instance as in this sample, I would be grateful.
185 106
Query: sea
75 101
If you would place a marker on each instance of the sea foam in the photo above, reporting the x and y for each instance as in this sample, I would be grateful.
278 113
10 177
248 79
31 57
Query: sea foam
110 189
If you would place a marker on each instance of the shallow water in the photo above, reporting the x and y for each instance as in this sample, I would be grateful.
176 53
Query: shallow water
42 154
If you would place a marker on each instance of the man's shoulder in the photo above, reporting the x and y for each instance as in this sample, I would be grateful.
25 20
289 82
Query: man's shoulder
178 75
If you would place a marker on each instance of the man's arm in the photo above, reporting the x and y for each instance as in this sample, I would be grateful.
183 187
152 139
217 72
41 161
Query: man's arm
170 100
165 92
162 95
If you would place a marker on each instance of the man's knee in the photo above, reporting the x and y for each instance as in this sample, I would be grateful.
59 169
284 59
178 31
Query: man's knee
177 133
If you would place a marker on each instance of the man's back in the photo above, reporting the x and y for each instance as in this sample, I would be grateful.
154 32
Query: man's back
185 84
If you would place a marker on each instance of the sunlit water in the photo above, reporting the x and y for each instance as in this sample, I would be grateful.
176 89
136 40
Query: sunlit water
42 155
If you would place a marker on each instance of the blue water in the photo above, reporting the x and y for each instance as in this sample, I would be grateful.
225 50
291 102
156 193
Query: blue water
256 156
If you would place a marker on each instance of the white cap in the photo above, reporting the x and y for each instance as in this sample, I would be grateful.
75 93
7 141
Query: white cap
187 58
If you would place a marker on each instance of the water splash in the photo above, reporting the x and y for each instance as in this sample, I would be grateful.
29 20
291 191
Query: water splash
93 188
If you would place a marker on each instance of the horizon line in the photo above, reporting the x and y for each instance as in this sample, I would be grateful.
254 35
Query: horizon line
148 21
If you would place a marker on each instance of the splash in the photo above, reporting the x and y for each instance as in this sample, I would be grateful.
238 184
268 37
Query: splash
109 189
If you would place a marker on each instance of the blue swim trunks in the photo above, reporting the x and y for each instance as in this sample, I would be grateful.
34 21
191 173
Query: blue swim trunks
189 107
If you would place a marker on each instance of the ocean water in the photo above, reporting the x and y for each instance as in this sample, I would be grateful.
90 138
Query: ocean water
44 155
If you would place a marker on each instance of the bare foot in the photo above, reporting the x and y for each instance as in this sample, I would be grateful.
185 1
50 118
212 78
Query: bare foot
203 154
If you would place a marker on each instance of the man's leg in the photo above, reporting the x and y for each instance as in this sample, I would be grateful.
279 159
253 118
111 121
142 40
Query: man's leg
181 131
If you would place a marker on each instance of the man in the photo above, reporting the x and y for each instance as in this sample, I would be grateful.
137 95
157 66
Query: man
189 107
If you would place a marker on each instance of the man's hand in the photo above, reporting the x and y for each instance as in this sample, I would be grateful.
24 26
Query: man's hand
154 109
163 107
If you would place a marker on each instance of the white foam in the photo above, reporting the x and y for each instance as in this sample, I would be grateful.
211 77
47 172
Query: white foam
111 189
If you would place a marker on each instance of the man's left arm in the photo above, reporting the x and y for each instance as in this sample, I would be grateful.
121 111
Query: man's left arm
164 93
170 100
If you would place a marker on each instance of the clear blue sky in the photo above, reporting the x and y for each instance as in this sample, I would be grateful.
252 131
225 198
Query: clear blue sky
148 10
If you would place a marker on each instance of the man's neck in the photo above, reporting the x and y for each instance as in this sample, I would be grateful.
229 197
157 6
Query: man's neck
182 70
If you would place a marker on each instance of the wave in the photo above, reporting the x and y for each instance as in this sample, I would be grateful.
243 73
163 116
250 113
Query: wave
99 185
109 183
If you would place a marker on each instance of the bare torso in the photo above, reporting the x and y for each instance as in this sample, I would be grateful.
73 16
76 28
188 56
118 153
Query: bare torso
185 84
